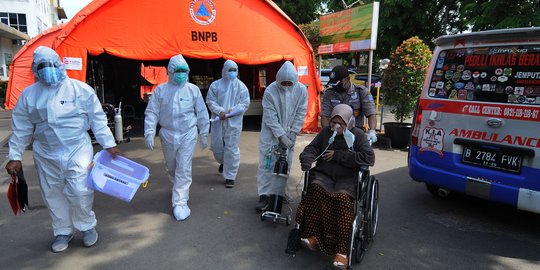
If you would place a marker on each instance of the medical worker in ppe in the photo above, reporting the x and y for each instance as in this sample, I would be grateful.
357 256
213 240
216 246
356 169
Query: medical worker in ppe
179 108
284 108
227 99
55 112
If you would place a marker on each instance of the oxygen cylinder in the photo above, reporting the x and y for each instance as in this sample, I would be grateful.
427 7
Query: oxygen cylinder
118 127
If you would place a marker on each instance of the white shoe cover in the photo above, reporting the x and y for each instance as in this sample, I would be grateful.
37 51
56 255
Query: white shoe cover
181 212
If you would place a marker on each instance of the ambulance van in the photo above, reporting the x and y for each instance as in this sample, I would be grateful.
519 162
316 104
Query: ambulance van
477 125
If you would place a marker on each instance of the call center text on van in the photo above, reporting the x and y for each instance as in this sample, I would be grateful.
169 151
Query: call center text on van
477 125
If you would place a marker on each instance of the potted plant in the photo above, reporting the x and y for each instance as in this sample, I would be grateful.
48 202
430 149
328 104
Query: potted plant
402 85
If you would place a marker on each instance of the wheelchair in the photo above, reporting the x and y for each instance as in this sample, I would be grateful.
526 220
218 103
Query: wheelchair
364 225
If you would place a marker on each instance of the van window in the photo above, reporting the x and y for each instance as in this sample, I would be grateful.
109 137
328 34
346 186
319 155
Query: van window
502 74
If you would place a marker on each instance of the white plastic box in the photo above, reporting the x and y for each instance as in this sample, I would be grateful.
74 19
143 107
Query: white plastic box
119 177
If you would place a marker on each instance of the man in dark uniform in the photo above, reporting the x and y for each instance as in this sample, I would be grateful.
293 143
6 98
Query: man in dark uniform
358 97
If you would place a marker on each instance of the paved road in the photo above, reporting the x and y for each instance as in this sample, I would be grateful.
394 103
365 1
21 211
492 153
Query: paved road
416 231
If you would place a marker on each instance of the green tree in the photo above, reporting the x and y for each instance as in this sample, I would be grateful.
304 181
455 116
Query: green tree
301 11
404 77
311 31
427 19
500 14
401 19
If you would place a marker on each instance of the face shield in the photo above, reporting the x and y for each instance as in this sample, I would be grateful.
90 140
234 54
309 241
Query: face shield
49 72
47 66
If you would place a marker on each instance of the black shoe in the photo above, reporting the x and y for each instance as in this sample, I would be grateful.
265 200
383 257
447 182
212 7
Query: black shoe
262 204
220 170
229 183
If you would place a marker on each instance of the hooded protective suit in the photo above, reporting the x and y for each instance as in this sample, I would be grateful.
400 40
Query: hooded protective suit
225 95
179 108
56 112
284 110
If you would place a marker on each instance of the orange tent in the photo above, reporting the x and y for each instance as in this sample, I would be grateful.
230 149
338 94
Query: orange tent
250 32
20 69
154 76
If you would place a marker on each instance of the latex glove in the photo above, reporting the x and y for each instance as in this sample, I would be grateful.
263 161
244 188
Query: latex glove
371 136
149 142
292 136
204 141
283 139
13 167
113 151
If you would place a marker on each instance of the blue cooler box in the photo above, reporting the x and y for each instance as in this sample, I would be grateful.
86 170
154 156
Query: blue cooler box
119 177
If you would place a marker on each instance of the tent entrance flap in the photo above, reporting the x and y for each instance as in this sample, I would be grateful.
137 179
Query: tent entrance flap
123 80
117 80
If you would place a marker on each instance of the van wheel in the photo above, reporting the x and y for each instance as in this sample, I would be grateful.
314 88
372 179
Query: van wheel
437 191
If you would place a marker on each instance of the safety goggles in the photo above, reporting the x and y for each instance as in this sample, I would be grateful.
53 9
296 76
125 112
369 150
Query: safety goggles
181 70
286 83
232 70
47 64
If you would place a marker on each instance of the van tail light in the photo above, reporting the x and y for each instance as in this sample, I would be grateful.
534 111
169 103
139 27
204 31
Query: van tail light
416 124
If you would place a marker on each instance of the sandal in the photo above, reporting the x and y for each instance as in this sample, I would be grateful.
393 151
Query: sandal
309 243
340 261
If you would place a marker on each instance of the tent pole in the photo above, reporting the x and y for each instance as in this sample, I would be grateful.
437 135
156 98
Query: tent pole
320 65
370 70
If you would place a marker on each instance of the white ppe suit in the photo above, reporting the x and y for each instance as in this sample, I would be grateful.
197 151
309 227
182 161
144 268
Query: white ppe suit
225 95
284 110
57 116
180 110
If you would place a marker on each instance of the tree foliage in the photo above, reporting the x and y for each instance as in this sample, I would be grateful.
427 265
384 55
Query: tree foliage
404 77
427 19
500 14
311 31
301 11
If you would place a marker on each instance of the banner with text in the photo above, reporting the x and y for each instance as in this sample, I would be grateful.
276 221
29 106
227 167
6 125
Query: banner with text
353 29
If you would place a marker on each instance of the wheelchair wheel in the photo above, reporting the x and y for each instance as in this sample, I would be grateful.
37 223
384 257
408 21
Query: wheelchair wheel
372 210
359 243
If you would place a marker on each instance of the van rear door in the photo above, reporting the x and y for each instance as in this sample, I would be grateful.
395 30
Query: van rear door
477 128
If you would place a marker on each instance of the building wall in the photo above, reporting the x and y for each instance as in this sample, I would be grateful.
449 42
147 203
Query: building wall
7 52
38 13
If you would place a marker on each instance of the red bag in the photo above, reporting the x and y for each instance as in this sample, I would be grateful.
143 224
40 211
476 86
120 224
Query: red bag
18 193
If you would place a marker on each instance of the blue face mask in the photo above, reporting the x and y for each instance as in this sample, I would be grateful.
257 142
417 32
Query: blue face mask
232 75
180 78
50 75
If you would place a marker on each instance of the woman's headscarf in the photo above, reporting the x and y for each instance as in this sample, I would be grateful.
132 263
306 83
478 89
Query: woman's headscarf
345 112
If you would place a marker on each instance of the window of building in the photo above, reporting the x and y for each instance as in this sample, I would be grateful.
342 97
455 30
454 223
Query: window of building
8 57
15 20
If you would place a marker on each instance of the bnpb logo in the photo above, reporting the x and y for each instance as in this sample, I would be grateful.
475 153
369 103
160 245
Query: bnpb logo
202 12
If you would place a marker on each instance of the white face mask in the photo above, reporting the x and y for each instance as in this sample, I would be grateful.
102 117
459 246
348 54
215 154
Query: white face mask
349 138
286 87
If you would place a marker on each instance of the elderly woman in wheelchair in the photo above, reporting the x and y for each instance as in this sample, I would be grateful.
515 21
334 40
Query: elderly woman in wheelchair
327 211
